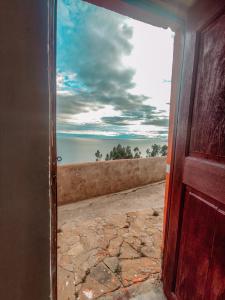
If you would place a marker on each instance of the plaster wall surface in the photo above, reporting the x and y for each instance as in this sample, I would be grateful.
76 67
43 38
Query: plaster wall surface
82 181
24 151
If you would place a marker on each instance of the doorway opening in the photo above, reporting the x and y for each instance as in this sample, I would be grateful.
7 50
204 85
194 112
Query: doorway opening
113 93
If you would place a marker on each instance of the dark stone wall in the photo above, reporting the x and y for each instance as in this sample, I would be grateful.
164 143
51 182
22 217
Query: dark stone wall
24 151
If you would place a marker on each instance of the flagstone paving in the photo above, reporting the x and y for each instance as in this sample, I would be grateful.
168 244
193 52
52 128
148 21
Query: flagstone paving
110 247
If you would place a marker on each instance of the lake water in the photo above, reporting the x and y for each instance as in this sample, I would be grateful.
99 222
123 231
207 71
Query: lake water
77 150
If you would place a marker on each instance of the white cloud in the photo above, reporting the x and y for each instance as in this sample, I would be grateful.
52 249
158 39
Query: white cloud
151 58
94 116
89 132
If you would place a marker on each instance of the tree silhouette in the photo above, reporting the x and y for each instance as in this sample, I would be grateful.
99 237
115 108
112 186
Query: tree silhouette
148 153
163 150
129 152
98 155
155 150
137 152
121 152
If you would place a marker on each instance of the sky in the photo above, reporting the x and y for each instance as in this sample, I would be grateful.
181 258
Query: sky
113 74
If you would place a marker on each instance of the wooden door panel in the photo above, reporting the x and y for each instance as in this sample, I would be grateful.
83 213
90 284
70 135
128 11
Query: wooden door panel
208 125
205 176
215 287
194 257
196 241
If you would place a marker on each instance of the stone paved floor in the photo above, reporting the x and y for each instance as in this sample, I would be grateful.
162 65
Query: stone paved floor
110 247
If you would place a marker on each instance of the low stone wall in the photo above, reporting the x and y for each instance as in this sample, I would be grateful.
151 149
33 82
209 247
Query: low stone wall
82 181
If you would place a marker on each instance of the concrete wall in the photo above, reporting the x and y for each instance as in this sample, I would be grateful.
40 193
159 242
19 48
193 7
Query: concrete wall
82 181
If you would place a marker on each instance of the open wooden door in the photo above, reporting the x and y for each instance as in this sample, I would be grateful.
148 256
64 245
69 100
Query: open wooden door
194 257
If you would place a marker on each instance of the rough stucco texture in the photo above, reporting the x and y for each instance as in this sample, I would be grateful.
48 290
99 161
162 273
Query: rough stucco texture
82 181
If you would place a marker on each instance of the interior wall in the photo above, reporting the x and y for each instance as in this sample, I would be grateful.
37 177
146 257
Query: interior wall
24 151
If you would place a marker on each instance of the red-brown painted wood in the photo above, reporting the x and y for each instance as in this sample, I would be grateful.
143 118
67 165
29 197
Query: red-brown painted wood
215 286
195 249
176 190
205 176
193 259
208 125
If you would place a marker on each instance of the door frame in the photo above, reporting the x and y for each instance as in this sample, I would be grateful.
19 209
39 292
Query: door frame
52 21
154 14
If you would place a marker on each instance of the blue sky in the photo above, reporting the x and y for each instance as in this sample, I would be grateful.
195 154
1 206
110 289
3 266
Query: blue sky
113 74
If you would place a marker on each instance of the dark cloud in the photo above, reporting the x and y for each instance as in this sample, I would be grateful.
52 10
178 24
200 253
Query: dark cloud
80 127
144 113
75 104
91 43
118 121
162 121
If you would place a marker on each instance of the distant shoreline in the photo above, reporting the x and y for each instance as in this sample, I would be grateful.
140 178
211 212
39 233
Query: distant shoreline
74 149
97 137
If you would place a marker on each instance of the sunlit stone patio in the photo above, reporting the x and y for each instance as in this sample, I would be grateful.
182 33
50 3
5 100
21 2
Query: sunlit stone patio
110 247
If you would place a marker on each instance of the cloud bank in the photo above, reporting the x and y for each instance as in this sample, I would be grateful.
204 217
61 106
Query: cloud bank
94 86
